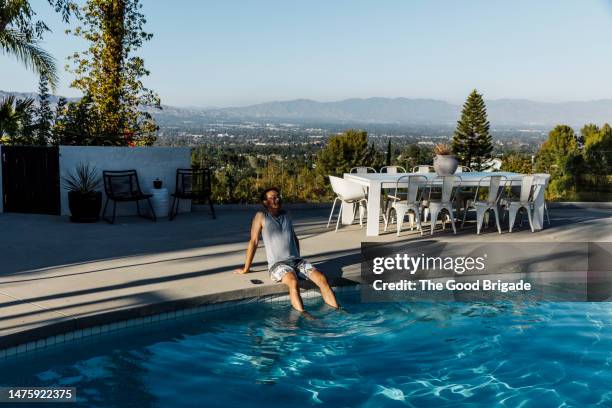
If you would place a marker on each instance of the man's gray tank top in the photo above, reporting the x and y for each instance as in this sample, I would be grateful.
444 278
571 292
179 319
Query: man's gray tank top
279 238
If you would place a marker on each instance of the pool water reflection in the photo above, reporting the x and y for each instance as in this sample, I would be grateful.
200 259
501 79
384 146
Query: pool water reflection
376 355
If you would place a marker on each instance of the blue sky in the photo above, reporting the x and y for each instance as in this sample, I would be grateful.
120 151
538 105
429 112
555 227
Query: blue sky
231 53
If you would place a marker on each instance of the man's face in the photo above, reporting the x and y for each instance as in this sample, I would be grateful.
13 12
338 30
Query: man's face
273 200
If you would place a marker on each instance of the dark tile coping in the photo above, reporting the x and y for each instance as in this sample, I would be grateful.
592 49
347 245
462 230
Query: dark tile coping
49 334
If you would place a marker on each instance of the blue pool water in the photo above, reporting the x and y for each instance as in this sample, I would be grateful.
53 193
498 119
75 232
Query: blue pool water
377 355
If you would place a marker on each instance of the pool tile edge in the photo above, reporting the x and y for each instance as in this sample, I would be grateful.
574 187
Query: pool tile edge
47 341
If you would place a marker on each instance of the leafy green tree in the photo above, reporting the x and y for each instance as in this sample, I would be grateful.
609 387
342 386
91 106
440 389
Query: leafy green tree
80 124
346 150
588 131
561 143
414 155
20 35
111 74
472 141
517 163
43 113
560 156
598 148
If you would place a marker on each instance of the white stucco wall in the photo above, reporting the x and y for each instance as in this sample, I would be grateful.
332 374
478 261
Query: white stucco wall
149 162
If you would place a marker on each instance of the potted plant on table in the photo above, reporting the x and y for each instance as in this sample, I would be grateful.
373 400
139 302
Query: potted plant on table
84 199
445 162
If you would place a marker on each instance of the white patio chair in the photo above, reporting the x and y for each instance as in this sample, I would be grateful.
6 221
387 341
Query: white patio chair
392 169
463 169
347 192
449 186
423 168
362 170
525 201
388 195
496 186
461 198
365 170
541 181
412 188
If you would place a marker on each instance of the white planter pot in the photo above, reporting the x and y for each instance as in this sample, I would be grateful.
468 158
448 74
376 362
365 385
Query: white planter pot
445 165
160 202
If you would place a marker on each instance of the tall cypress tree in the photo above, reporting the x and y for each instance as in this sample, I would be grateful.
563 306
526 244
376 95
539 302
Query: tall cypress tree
43 113
59 122
472 141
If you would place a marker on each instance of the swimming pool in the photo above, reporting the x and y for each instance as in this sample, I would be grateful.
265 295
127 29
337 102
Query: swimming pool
377 355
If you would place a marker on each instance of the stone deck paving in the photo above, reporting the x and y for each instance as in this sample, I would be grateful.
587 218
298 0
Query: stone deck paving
56 276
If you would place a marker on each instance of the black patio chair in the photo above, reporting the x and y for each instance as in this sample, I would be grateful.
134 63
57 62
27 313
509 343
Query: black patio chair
123 186
192 184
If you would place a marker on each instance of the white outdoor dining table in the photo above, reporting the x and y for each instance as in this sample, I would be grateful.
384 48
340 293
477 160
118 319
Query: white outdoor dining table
375 182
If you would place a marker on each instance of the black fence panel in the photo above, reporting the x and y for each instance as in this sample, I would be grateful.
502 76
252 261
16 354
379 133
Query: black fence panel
30 179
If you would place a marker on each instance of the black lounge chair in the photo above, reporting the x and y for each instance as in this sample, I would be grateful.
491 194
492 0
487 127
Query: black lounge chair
123 186
192 185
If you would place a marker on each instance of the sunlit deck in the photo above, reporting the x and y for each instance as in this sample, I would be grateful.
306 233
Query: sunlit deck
56 276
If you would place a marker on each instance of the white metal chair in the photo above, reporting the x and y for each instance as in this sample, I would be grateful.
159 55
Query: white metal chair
388 196
363 170
347 192
449 186
423 168
463 169
392 169
461 198
496 186
525 201
412 188
541 181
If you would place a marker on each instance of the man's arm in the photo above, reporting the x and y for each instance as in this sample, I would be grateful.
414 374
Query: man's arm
256 227
297 241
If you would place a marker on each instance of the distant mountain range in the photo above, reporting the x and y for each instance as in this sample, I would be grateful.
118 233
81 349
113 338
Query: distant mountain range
405 111
24 95
400 111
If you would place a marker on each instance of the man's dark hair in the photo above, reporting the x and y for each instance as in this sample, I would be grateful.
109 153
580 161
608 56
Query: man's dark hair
264 194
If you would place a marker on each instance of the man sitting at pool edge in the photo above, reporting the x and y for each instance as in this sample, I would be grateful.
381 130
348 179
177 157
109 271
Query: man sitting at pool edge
283 251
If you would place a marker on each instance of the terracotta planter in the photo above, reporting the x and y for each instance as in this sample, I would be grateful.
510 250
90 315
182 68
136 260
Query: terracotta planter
445 165
85 207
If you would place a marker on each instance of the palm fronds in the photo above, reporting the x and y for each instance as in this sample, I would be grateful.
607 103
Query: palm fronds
12 113
442 149
29 53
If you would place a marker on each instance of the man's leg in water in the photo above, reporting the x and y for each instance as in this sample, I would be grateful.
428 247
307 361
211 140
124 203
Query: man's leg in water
321 281
291 281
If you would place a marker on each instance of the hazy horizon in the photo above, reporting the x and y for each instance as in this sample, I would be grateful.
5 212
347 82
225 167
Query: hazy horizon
341 100
235 54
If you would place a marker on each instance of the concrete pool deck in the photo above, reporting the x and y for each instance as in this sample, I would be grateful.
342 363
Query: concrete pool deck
57 277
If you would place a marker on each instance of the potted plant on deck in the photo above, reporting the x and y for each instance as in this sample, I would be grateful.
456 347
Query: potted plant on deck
445 162
84 199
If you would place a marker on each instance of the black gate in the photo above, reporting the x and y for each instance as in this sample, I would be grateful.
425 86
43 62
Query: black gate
30 179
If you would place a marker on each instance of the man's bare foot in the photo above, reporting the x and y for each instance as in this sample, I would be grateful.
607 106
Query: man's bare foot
240 271
308 316
338 307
